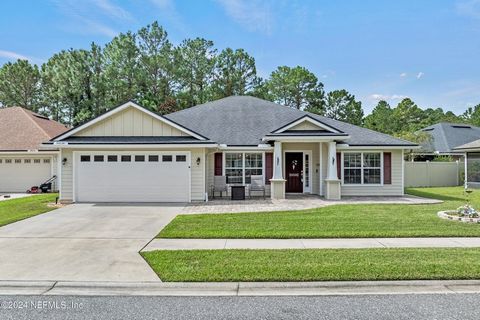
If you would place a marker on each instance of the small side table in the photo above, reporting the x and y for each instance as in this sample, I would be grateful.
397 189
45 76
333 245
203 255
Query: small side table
238 192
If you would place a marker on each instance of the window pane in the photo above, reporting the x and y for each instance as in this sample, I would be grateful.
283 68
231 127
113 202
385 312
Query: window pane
371 160
139 158
233 160
371 176
352 176
352 160
167 158
35 160
98 158
112 158
153 158
253 160
24 161
181 158
234 176
126 158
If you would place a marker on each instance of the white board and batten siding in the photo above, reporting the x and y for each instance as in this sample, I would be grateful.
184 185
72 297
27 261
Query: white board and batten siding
130 122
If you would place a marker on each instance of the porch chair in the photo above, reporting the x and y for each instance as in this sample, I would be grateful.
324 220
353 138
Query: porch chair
219 185
256 184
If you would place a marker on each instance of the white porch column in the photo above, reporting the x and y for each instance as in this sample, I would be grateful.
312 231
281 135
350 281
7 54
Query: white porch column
277 183
332 182
332 161
277 158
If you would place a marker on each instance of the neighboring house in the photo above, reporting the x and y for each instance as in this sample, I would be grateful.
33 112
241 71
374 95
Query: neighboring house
133 154
445 137
471 151
24 162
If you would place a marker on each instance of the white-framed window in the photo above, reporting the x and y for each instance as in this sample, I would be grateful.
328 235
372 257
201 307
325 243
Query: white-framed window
234 167
363 168
240 166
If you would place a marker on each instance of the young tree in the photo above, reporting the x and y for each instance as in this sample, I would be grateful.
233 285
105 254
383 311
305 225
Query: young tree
20 85
297 88
380 118
234 74
194 62
341 105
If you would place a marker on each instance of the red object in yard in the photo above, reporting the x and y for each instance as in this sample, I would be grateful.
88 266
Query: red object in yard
34 189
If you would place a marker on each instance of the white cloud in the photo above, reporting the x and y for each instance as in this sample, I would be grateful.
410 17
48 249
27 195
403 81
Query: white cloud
13 55
403 75
253 15
378 97
112 10
420 74
84 19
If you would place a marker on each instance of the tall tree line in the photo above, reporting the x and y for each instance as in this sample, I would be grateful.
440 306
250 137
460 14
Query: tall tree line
76 85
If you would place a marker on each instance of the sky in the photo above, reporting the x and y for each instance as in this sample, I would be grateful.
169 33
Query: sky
427 50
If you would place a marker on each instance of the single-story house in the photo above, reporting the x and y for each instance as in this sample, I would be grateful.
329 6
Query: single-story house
133 154
445 137
24 161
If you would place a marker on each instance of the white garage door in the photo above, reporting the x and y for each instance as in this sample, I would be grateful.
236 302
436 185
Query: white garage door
132 177
17 174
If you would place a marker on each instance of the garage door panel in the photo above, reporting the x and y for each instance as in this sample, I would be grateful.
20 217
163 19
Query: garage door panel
19 174
132 181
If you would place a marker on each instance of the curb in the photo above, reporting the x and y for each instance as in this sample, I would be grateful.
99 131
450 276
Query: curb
327 288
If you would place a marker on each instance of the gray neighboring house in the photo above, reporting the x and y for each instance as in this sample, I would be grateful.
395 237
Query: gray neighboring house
445 138
131 154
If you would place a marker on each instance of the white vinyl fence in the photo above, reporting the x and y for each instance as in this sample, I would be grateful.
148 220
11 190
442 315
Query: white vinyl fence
433 174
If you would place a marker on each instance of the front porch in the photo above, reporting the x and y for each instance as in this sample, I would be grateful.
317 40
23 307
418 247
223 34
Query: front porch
305 168
293 202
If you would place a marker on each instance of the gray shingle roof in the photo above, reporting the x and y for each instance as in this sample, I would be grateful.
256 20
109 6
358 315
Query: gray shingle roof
471 145
245 120
447 136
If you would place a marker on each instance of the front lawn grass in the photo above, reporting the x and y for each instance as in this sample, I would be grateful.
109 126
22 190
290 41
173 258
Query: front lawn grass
18 209
315 265
338 221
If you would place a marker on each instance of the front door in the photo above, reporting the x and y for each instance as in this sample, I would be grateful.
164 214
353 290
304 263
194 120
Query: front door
294 171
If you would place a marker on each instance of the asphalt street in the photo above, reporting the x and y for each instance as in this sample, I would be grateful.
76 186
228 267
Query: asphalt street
412 306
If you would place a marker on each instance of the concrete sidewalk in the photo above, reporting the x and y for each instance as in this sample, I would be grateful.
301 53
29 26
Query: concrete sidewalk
65 288
197 244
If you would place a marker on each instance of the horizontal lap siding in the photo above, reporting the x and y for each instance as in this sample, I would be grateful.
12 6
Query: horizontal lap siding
394 189
66 192
198 175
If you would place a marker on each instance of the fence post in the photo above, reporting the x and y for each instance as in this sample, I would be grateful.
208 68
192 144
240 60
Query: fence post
427 170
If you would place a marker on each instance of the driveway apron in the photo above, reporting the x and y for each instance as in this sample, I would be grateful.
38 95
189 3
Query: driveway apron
83 242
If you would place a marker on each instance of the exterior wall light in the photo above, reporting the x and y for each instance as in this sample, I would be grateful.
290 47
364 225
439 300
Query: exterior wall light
64 161
198 161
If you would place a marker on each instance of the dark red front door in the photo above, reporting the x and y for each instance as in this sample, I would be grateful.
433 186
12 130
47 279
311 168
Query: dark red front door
294 171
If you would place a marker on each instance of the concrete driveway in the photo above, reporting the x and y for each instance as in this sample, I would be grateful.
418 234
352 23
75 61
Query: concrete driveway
83 242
